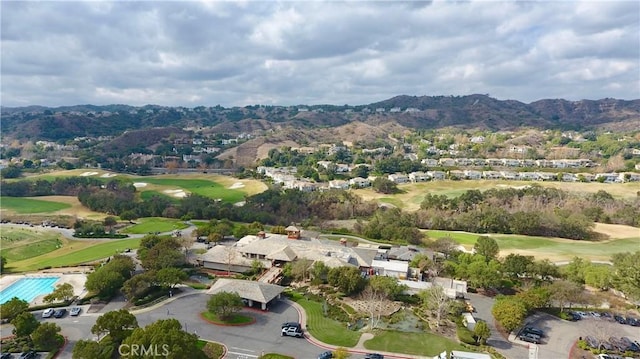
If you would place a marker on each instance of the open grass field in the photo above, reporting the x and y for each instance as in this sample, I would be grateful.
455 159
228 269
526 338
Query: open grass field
202 187
29 205
20 243
325 329
74 252
426 344
554 249
155 224
412 194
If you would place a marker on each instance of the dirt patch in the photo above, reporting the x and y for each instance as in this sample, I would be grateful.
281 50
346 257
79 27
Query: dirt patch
384 308
616 231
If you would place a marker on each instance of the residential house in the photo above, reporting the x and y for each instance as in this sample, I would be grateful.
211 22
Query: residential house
629 177
339 184
324 164
528 176
477 139
472 174
398 178
509 175
456 174
342 168
546 176
511 162
609 177
527 163
479 161
437 175
463 162
447 162
491 175
569 177
429 162
494 161
418 176
360 182
586 177
395 109
390 268
406 253
544 163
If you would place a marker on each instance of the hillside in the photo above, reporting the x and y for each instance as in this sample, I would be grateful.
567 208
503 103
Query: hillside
413 112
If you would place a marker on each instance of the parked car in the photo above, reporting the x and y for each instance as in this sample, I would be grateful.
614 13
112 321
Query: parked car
530 338
59 313
75 311
573 316
48 313
632 321
373 356
292 332
620 319
290 324
606 315
533 330
617 344
6 356
630 345
325 355
29 355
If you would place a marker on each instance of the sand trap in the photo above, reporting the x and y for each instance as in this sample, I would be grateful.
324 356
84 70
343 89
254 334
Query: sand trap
139 184
176 192
108 175
86 174
236 185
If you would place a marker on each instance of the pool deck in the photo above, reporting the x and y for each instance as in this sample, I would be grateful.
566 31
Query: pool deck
77 280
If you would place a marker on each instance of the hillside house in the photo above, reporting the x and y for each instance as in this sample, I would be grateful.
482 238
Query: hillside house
456 174
339 184
491 175
418 176
509 175
546 176
472 174
398 178
510 162
494 162
390 268
569 177
437 175
477 139
544 163
609 177
629 177
586 177
429 162
360 182
529 176
463 162
447 162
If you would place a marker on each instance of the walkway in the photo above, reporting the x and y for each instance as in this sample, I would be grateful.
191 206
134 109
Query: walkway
358 349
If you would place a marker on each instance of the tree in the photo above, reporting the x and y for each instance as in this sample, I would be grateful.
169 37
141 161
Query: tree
3 263
138 285
563 292
516 265
89 349
117 323
387 285
301 268
170 277
509 312
47 337
13 307
24 324
484 274
481 332
486 247
535 297
626 274
374 295
319 272
384 185
166 338
109 222
436 300
63 292
225 304
574 271
347 279
598 276
104 281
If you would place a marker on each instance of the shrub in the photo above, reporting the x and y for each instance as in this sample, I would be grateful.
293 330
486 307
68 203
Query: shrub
465 335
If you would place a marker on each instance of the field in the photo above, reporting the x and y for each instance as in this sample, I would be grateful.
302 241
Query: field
74 252
20 243
155 224
554 249
30 205
413 194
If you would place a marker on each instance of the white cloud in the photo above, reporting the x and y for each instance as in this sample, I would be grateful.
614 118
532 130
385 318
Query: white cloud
239 53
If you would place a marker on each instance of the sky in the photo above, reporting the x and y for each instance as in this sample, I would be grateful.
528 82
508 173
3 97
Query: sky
238 53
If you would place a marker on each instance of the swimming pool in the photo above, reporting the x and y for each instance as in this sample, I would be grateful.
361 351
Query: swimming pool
28 288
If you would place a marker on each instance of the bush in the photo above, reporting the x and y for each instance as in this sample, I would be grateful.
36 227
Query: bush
50 305
465 335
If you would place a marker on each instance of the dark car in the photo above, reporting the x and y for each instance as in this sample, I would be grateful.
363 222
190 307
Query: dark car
75 311
6 356
533 330
629 345
28 355
325 355
573 316
59 313
632 321
619 319
373 356
530 338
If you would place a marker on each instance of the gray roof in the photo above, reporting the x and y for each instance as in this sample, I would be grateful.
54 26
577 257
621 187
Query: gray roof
292 228
256 291
284 254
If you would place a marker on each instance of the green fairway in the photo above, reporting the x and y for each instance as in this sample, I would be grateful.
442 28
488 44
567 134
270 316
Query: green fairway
202 187
147 195
155 224
426 344
326 329
542 247
22 243
74 253
28 205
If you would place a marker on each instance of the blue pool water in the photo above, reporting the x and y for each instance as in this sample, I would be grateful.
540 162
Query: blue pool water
28 288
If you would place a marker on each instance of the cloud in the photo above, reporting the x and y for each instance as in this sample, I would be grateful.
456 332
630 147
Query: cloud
237 53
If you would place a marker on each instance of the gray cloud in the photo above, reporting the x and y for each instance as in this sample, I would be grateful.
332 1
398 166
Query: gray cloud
247 52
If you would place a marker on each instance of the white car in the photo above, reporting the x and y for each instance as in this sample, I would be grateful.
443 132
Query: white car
48 313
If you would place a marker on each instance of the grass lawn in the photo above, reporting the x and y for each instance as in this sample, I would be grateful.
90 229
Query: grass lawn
235 319
155 224
147 195
555 249
202 187
275 356
22 243
215 349
325 329
74 253
426 344
29 205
